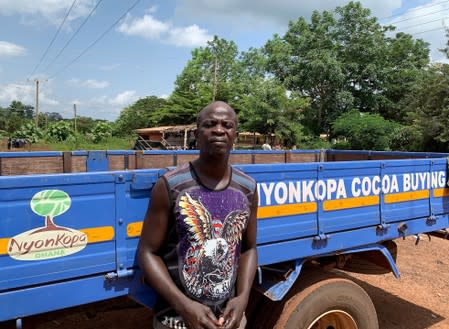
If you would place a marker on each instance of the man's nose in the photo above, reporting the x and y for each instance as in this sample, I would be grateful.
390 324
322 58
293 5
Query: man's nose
219 129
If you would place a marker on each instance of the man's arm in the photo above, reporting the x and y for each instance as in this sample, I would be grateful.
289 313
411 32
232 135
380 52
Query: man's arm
246 271
154 233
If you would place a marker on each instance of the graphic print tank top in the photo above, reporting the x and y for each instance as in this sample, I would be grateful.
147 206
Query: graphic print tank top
203 247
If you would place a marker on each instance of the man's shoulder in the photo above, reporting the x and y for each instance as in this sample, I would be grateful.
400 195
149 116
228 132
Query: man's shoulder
178 174
243 179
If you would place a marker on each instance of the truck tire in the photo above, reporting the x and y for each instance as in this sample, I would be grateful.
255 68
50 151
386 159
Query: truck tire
333 303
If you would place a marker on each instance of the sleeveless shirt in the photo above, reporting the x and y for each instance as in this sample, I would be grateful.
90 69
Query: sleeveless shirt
202 249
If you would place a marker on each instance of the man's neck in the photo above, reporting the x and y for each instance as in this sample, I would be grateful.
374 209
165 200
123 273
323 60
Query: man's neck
213 167
213 172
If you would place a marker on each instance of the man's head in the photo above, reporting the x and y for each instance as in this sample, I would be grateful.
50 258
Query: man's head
216 129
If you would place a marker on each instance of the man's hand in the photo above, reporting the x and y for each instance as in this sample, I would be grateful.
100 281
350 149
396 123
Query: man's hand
198 316
233 313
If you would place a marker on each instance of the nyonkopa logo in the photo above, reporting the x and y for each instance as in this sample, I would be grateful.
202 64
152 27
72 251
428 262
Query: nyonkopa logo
49 241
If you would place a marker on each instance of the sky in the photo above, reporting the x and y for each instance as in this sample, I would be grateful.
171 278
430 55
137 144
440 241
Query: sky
103 55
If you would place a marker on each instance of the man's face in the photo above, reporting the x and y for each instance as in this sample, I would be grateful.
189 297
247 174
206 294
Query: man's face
216 131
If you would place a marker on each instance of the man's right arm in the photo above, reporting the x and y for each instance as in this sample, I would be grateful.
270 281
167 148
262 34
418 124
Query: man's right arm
154 233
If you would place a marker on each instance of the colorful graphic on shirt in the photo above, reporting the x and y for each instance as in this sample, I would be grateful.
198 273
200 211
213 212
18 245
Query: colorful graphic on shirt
210 261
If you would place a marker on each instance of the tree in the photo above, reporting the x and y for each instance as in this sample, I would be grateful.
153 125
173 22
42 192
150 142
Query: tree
427 106
211 74
268 110
141 114
343 60
364 130
407 59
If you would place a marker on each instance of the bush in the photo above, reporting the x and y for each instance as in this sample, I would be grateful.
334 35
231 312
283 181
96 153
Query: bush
101 131
29 131
59 131
406 138
364 131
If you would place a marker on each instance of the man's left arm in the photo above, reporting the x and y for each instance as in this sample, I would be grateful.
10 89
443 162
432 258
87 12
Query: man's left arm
247 269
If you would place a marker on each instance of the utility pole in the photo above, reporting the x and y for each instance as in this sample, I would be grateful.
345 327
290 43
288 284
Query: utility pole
37 103
37 81
74 114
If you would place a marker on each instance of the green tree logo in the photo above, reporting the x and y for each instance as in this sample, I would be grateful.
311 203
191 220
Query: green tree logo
49 204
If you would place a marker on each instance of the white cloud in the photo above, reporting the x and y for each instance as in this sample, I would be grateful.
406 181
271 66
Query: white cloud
14 91
150 28
147 27
190 36
25 94
124 98
11 49
90 83
51 11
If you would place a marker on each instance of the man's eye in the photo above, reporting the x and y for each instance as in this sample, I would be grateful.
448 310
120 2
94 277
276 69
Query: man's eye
228 125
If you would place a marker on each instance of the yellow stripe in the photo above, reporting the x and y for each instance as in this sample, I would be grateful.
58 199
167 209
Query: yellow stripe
350 203
441 192
134 229
286 210
99 234
406 196
4 246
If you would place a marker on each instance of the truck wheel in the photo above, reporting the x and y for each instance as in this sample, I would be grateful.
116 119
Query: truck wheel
332 303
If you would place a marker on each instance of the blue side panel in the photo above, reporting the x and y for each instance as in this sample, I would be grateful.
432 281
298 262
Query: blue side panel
138 189
45 298
440 205
412 176
97 161
282 227
337 174
35 243
308 247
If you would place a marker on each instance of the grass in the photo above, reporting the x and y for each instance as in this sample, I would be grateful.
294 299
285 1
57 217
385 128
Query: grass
112 143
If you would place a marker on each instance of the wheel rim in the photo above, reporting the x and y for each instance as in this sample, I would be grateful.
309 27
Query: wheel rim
335 319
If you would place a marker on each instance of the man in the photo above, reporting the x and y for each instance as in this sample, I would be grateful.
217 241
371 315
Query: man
266 146
198 242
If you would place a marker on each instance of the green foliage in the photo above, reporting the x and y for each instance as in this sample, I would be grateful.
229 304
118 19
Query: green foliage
82 142
406 138
364 131
310 142
101 131
428 108
29 131
59 131
268 110
21 110
142 114
213 73
343 60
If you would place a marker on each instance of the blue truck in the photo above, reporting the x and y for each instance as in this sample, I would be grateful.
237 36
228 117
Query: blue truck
70 224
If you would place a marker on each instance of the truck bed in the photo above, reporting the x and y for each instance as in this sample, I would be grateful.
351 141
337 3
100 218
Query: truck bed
309 208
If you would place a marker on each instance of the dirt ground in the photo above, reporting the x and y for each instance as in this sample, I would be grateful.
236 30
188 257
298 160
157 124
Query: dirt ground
419 300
